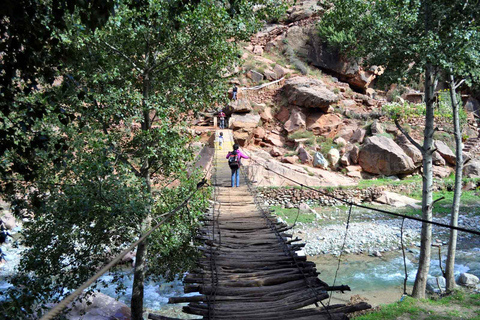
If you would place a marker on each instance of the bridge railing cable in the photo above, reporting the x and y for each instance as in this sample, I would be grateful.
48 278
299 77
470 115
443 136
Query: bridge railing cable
52 313
347 202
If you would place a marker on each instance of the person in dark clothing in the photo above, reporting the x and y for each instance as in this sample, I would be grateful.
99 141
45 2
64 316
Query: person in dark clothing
234 97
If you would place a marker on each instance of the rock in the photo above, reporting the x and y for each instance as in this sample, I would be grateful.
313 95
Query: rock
275 152
99 307
239 106
340 142
259 133
410 150
305 208
381 155
258 50
304 156
358 136
279 71
353 169
376 128
303 10
274 139
472 169
8 220
255 76
469 186
333 157
245 121
353 154
266 115
355 174
309 93
319 161
445 152
283 115
436 284
345 160
297 121
242 137
291 159
468 280
395 199
437 159
322 124
270 75
289 205
442 172
348 103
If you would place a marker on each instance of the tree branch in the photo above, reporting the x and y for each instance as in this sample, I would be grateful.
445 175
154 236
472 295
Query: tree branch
415 143
455 86
123 55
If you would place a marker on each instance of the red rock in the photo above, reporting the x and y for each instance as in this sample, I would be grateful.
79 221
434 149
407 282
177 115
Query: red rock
322 124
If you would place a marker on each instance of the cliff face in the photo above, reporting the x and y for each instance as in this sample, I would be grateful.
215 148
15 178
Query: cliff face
304 103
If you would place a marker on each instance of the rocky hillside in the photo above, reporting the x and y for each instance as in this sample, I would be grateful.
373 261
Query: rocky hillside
315 112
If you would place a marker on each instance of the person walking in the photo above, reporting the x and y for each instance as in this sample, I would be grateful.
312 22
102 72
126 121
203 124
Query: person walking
220 141
235 89
221 116
234 161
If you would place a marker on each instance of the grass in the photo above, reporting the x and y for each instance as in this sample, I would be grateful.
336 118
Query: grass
289 215
436 308
363 184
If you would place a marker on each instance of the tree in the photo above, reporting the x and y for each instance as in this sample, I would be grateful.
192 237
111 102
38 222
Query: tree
407 38
149 64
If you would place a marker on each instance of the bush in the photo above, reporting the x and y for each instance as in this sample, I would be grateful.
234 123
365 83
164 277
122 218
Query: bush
292 57
325 144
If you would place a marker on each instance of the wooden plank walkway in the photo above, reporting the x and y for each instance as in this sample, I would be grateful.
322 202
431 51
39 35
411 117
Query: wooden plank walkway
249 268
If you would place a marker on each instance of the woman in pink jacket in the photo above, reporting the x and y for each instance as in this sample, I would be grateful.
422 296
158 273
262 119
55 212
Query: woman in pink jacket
234 161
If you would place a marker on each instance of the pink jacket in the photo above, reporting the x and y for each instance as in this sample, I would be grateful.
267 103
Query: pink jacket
239 153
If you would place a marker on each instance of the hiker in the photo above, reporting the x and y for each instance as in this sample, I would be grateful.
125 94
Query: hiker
234 161
234 97
221 116
220 141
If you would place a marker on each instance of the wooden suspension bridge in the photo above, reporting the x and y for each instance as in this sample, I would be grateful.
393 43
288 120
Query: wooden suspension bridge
250 268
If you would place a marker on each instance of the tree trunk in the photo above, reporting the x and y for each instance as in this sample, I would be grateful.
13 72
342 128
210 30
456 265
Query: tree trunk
452 244
136 303
420 284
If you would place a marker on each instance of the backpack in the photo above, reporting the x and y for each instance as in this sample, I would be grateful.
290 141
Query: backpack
234 160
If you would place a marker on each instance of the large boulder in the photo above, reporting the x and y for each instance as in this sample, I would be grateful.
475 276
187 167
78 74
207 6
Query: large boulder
333 156
381 155
259 133
297 121
319 161
376 128
303 10
242 137
304 156
323 123
472 169
283 115
445 152
99 307
246 122
437 159
410 149
309 93
266 114
255 76
239 106
274 140
468 280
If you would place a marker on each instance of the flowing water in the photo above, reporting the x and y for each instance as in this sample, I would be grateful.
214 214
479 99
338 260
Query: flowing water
378 279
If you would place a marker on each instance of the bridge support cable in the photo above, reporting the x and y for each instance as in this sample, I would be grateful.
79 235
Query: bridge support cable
404 259
52 313
341 251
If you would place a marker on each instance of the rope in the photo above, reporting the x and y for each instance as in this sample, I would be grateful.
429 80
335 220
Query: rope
65 302
341 252
404 260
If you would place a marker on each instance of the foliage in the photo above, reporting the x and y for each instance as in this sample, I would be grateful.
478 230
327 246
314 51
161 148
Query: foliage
411 308
289 215
109 142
